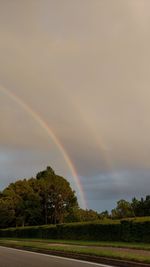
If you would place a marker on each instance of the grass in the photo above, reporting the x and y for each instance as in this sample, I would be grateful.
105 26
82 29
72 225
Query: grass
103 249
140 246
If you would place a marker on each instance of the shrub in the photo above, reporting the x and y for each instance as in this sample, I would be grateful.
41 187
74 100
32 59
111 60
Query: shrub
130 230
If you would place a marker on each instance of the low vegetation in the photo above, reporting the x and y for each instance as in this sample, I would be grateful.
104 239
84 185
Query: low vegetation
99 250
124 230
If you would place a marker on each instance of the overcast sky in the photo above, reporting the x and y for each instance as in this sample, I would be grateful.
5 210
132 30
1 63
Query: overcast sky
84 67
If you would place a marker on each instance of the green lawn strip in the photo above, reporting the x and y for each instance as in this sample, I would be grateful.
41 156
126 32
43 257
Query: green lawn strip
123 255
140 246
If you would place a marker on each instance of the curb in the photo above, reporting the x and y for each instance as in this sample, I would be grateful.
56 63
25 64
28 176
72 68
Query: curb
90 258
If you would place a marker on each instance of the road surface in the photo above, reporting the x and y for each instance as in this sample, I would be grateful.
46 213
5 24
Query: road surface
10 257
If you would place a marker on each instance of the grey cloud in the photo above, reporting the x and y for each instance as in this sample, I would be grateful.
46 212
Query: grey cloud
103 191
124 184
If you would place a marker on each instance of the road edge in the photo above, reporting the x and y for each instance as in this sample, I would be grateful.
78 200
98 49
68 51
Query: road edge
84 257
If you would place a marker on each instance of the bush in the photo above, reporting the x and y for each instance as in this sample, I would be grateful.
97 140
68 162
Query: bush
135 231
74 231
44 232
130 230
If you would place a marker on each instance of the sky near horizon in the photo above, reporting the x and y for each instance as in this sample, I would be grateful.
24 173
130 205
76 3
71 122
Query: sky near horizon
84 67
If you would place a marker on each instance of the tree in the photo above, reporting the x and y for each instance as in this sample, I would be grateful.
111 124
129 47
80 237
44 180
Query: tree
141 207
49 172
26 203
7 213
41 200
57 197
123 210
104 215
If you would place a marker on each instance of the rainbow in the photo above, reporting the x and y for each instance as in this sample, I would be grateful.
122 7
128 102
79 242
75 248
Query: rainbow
99 140
43 124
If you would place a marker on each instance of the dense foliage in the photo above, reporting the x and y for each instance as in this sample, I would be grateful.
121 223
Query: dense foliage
134 230
48 198
135 208
73 231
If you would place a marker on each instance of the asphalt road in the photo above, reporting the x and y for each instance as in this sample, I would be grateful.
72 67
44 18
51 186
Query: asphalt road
16 258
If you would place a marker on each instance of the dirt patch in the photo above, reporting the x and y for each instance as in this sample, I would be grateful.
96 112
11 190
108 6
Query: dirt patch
61 245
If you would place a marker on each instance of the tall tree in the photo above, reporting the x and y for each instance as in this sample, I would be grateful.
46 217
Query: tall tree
57 197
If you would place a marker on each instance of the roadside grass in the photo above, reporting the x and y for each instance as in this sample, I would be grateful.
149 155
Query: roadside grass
115 244
75 247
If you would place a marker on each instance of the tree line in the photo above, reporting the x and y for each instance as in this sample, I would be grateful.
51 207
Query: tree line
135 208
45 199
49 199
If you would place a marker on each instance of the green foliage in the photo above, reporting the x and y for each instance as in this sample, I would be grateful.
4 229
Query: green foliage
89 231
135 231
104 215
7 212
136 208
79 215
41 200
123 210
25 201
141 207
125 230
49 199
49 172
73 231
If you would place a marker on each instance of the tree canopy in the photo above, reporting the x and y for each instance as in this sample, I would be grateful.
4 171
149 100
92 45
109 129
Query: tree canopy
135 208
49 199
41 200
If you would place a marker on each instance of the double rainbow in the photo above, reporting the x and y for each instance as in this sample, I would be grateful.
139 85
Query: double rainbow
44 125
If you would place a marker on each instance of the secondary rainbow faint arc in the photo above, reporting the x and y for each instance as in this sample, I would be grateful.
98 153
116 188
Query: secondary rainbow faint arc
51 134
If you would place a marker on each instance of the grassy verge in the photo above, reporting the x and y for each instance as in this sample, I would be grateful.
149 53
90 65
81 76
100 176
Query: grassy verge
75 248
140 246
